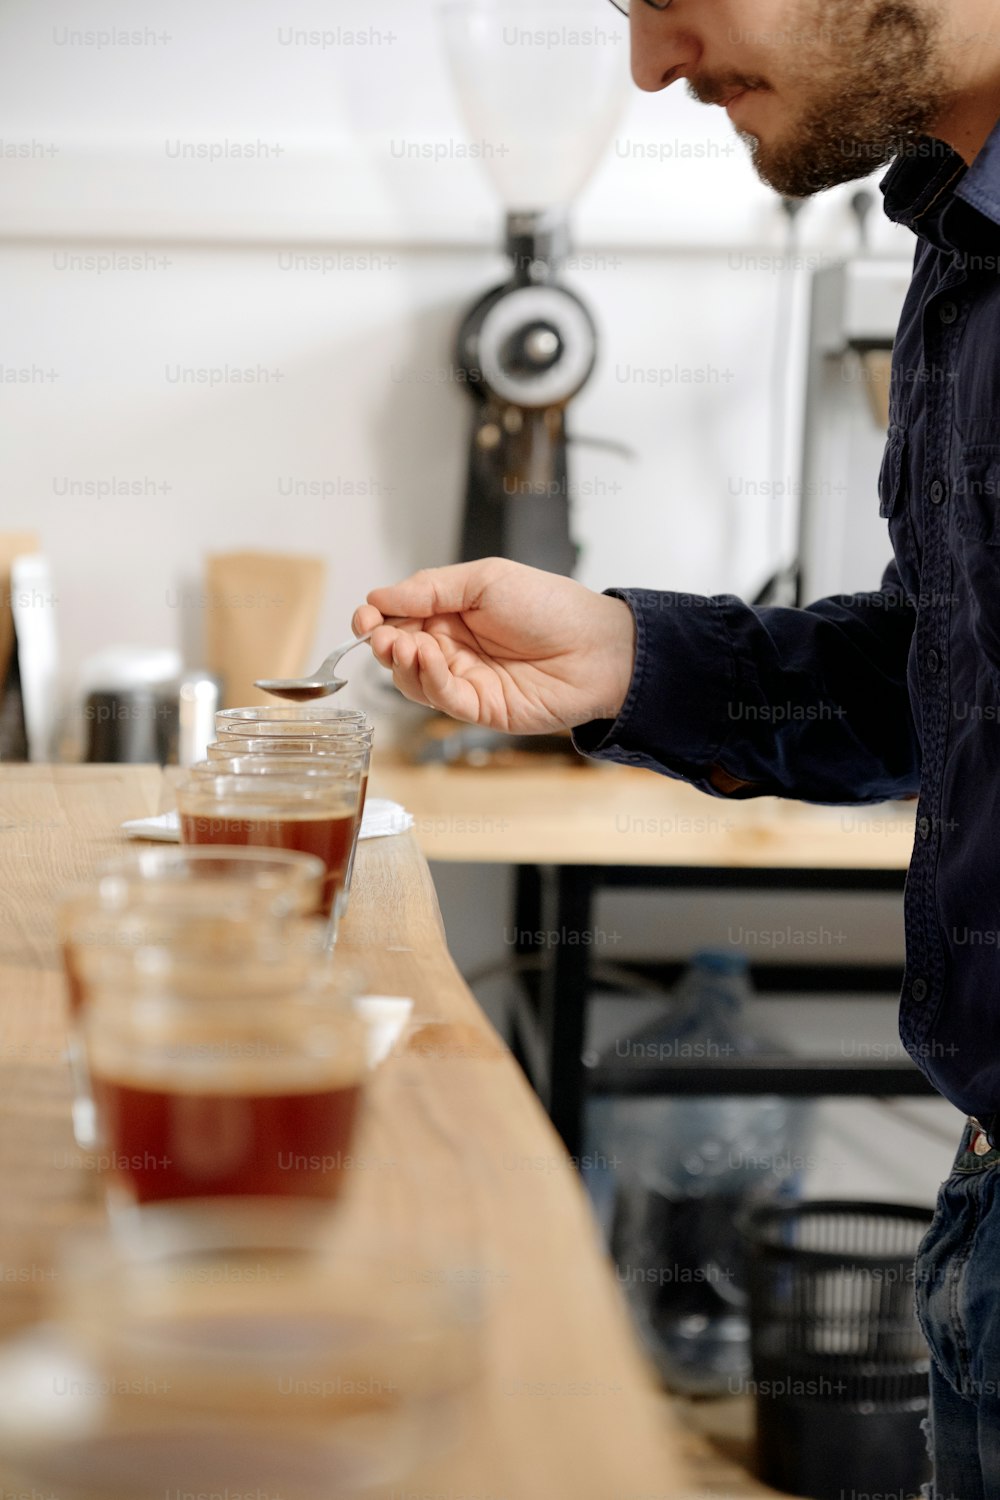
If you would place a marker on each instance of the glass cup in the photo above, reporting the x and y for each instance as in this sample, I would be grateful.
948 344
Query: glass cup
307 809
235 1349
324 748
167 891
231 1069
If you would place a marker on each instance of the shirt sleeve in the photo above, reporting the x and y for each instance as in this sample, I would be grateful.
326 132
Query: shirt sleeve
809 703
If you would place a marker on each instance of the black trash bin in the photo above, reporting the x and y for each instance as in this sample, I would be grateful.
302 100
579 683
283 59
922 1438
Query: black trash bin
840 1365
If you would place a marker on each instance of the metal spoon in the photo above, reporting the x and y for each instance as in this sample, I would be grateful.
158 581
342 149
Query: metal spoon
324 680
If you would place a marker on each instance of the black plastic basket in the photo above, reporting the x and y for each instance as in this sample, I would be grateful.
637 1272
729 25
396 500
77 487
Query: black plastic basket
840 1366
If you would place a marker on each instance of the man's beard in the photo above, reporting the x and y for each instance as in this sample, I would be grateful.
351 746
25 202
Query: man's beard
873 86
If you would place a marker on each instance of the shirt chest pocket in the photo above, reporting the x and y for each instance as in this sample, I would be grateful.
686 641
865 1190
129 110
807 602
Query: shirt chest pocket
893 506
891 477
977 496
976 547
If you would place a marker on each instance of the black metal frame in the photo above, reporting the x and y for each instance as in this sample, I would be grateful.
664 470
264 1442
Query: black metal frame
548 1013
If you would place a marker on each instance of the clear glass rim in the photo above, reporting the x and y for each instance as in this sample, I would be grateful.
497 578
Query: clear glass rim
149 991
180 878
332 767
271 936
297 729
176 863
222 783
290 744
290 712
229 975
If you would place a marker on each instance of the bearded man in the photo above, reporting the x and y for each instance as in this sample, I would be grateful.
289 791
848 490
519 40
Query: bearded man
822 92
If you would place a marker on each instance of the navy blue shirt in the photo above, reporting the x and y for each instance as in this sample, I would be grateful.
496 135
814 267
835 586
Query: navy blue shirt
881 695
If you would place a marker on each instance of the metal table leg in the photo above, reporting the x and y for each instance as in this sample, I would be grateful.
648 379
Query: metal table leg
565 987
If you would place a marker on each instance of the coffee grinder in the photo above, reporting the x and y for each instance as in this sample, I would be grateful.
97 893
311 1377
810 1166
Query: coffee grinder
541 86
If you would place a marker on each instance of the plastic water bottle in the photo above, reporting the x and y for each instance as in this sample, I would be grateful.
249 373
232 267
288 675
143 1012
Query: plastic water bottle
684 1167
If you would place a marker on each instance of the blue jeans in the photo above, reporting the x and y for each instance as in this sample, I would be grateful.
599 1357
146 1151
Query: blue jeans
958 1303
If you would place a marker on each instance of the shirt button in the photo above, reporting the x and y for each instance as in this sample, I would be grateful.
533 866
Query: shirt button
924 828
933 661
918 989
937 491
948 312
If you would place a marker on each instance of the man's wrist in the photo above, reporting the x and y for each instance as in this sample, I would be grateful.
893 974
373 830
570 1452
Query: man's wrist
623 654
614 663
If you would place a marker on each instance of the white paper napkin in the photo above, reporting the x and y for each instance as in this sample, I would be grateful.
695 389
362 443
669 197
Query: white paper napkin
387 1016
381 819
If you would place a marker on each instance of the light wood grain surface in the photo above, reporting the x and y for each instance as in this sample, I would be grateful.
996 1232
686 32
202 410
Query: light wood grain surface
584 813
565 1408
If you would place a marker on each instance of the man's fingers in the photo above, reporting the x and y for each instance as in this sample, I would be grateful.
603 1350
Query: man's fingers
422 674
434 591
404 652
402 658
439 685
437 682
365 618
384 640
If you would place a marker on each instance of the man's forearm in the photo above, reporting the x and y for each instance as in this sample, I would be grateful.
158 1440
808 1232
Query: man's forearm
809 703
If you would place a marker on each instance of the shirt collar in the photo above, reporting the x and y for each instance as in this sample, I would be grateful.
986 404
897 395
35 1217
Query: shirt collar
930 190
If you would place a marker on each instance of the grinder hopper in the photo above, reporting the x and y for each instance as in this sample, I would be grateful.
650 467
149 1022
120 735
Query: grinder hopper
541 85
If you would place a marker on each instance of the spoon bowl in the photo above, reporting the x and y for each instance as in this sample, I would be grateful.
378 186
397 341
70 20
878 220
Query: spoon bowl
324 680
300 689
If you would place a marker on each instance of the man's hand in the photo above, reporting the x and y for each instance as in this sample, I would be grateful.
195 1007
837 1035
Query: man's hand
503 645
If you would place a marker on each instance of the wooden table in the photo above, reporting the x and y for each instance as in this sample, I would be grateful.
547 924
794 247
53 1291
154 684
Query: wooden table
573 827
579 812
566 1408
